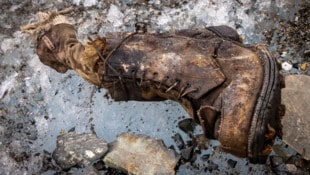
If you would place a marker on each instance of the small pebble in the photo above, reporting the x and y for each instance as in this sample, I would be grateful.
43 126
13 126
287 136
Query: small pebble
304 66
19 125
99 165
202 142
231 163
307 53
178 141
276 161
284 54
291 168
187 125
205 157
187 153
286 66
212 166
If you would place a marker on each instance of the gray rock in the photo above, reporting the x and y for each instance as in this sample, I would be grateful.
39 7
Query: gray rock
140 154
296 122
212 166
178 141
232 163
78 149
187 125
291 168
187 153
281 151
276 161
19 150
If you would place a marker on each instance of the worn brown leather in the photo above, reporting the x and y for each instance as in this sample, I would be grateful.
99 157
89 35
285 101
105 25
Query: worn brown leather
232 90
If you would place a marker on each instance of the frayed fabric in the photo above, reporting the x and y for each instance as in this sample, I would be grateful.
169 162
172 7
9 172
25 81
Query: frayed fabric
45 20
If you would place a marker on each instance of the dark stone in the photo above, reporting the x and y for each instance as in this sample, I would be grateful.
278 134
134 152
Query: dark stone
187 153
307 53
187 125
99 165
47 162
276 161
297 161
205 157
112 171
231 163
178 141
201 142
71 129
194 157
212 166
19 125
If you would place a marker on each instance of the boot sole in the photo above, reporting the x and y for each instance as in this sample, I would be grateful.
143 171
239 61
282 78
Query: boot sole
264 123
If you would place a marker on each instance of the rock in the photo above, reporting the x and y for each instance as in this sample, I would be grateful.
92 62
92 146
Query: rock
140 154
212 166
232 163
187 153
304 66
202 142
291 168
19 150
276 161
296 122
282 152
178 141
78 149
187 125
99 165
286 66
205 157
298 162
307 53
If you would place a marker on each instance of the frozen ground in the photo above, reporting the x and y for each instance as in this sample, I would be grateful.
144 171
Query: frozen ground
37 103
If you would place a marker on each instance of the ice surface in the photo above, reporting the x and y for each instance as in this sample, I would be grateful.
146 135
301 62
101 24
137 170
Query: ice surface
50 103
7 84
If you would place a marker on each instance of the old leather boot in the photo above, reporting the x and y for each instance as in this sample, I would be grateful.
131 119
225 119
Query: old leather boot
232 90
